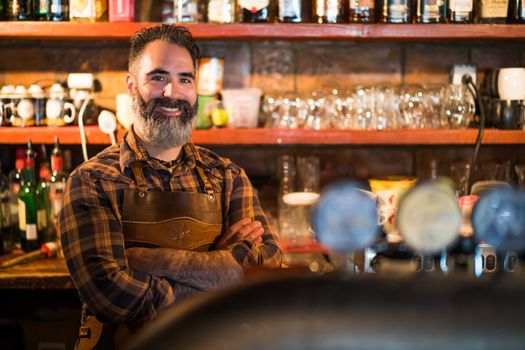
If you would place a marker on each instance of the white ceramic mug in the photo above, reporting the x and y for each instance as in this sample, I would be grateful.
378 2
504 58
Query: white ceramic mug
511 84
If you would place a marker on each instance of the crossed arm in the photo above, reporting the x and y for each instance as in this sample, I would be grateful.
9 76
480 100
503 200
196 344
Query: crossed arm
198 271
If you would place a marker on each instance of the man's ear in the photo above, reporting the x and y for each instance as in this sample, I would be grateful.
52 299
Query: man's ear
130 84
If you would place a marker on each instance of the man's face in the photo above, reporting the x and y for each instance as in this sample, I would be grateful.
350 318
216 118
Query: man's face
162 84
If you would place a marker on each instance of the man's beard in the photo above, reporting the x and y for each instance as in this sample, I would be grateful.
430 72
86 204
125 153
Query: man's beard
161 130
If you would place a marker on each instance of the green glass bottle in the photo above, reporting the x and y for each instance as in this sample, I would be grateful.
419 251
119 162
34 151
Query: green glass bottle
57 185
31 211
16 177
5 212
42 194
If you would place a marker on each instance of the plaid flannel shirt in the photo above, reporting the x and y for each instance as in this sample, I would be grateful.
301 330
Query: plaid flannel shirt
90 225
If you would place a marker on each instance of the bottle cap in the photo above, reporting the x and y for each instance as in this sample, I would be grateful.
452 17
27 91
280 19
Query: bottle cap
44 173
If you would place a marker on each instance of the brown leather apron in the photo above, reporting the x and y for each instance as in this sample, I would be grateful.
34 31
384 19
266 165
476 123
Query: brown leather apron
180 220
153 219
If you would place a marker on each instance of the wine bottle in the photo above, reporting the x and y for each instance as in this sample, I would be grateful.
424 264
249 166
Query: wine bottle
186 11
430 11
460 11
254 11
397 11
492 11
31 213
58 10
517 11
328 11
19 10
221 11
16 177
42 194
57 185
40 10
5 213
290 11
362 11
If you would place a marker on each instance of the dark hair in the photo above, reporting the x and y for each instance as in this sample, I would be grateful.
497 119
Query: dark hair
167 32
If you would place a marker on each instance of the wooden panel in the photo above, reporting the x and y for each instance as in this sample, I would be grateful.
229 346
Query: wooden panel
307 31
70 135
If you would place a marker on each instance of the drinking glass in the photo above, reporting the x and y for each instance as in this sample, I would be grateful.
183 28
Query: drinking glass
433 96
365 108
386 107
458 106
460 173
299 190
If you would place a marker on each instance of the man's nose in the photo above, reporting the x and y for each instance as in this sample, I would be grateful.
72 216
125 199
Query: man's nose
173 90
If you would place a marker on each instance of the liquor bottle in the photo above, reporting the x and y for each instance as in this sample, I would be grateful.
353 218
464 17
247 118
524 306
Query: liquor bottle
460 11
397 11
186 11
82 11
491 11
42 194
2 10
254 11
290 11
16 178
31 212
517 11
5 213
19 10
430 11
57 185
221 11
101 10
40 10
328 11
121 10
58 10
362 11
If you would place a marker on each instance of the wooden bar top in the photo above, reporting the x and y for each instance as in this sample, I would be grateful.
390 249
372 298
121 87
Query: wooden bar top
39 274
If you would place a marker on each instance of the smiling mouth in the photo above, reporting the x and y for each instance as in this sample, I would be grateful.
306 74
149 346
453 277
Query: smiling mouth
170 111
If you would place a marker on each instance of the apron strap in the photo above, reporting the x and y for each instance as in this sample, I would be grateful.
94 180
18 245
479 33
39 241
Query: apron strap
207 184
139 177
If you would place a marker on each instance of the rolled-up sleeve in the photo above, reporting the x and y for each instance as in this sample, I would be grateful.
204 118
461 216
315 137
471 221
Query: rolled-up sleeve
243 202
93 246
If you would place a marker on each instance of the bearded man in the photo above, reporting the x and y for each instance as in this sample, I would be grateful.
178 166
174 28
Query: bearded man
156 219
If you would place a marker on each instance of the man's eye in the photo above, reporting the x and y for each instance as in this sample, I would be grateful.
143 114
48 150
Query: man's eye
158 78
186 80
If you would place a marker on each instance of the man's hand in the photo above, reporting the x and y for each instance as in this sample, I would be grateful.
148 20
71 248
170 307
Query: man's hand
243 230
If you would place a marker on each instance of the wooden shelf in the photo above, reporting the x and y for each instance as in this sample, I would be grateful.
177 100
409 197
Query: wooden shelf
269 31
70 135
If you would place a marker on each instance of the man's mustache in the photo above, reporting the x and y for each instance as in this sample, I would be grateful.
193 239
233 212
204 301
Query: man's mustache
187 110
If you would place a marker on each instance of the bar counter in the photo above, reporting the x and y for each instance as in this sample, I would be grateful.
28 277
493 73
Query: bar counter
38 274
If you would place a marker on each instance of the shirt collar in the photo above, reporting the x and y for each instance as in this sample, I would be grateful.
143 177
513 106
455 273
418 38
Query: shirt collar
131 150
